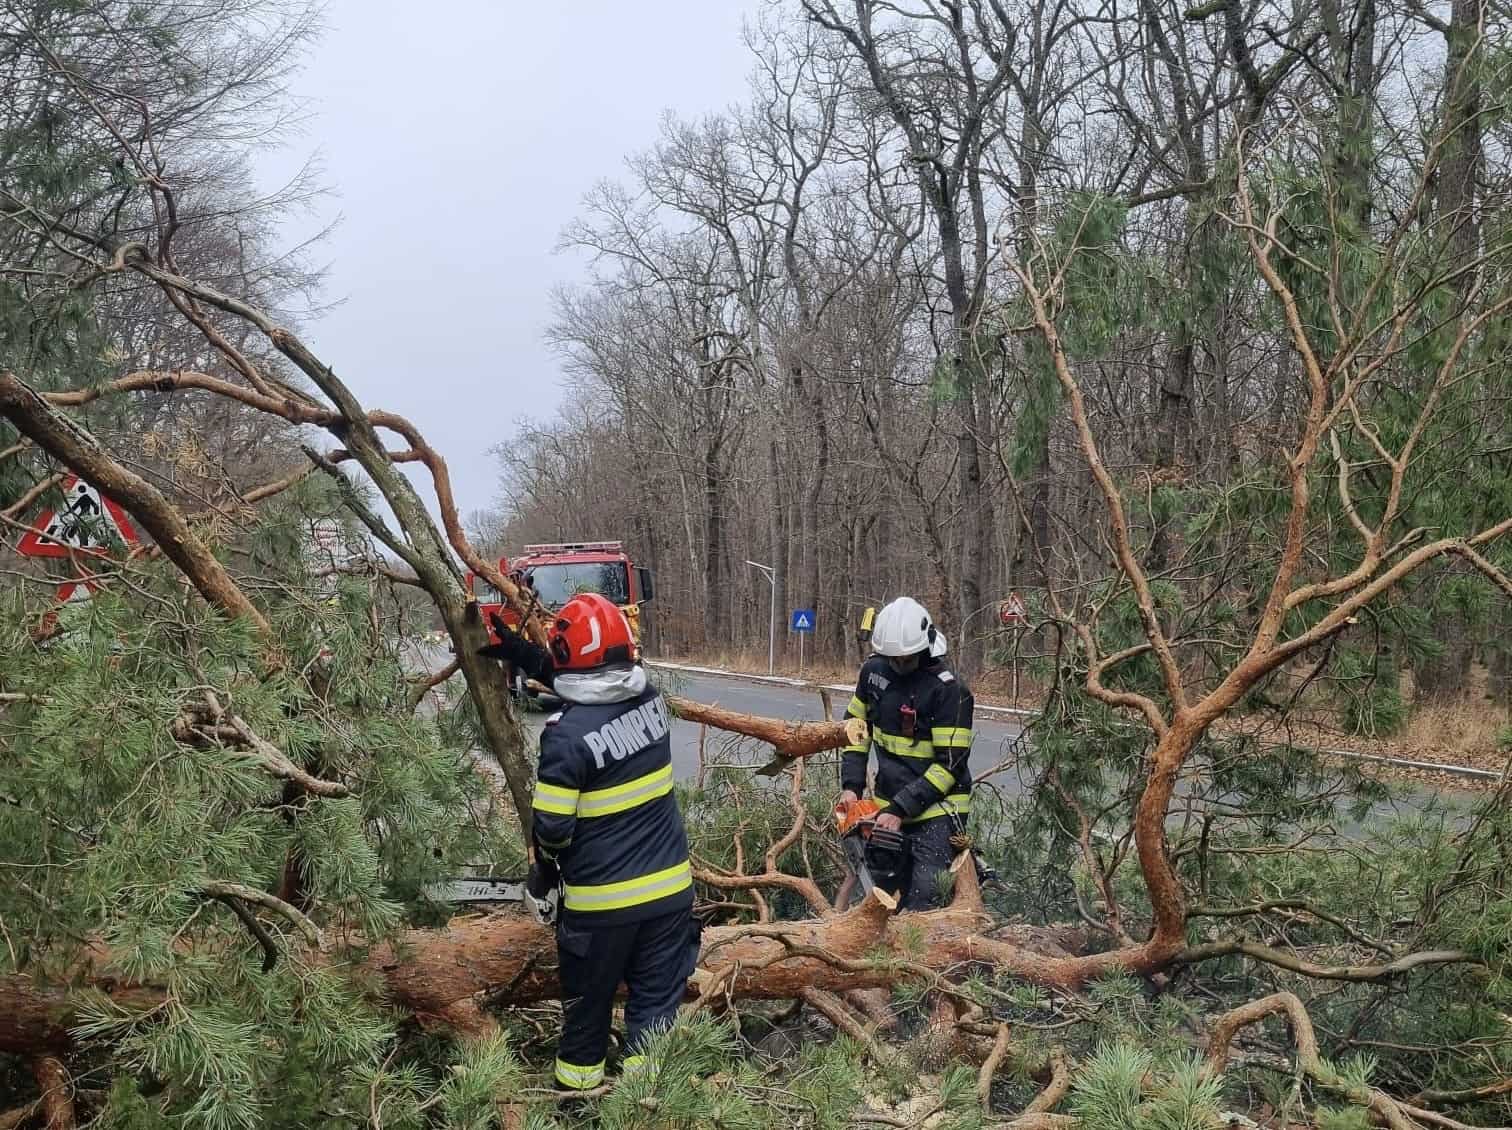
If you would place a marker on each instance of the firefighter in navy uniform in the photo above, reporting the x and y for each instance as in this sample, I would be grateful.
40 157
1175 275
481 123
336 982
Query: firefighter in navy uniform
918 717
609 839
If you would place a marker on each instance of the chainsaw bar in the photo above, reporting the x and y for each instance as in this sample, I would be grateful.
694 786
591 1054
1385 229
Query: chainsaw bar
476 890
855 856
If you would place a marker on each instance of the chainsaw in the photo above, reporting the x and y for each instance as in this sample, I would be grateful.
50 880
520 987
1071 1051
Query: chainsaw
865 845
854 823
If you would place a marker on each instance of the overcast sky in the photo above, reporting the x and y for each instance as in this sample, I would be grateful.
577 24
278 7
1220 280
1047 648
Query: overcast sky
458 137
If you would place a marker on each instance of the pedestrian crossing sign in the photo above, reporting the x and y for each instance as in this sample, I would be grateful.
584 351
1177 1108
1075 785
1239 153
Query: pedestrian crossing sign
87 523
803 620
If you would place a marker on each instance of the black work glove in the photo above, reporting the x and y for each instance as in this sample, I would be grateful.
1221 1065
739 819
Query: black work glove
542 891
514 649
542 876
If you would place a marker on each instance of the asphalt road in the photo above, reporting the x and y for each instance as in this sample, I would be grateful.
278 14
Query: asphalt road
994 736
995 733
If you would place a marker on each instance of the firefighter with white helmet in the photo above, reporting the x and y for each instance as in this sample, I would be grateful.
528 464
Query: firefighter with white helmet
917 713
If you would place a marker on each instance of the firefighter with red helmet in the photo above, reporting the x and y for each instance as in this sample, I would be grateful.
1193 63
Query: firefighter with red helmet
611 853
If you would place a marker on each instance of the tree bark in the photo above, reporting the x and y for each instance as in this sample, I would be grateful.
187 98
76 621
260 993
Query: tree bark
440 976
777 534
815 472
57 1093
1445 676
788 739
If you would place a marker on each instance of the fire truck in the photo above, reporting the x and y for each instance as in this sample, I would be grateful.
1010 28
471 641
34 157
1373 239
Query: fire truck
558 571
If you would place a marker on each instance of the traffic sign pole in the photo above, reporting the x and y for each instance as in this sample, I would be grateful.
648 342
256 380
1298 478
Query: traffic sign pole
1015 617
1018 636
802 624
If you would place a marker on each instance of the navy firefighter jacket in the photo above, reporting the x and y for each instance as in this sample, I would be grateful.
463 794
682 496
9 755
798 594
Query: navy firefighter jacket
921 725
605 811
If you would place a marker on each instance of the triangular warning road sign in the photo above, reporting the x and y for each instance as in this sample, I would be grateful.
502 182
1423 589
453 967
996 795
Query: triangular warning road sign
1011 612
88 523
801 622
72 592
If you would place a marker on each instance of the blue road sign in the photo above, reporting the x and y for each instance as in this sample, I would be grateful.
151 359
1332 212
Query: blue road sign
803 620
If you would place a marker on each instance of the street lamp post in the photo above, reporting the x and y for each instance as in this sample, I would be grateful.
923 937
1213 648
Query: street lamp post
771 577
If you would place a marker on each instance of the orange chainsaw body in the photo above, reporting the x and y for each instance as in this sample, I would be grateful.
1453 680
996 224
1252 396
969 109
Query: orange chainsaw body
856 815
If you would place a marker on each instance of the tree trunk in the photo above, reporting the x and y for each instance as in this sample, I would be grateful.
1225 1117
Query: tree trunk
646 530
973 535
1445 676
1173 433
814 472
716 625
777 550
1499 661
439 976
1352 46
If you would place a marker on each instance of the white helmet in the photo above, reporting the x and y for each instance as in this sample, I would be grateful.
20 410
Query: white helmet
903 628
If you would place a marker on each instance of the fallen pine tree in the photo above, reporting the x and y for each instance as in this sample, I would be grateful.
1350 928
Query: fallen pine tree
219 809
457 978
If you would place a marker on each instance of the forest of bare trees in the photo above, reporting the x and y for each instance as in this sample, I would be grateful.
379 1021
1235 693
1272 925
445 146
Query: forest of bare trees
806 341
1191 325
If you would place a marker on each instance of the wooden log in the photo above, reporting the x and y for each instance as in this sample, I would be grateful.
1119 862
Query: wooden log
439 976
57 1093
788 739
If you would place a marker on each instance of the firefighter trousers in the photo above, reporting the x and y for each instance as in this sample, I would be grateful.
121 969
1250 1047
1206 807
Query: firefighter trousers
928 865
653 959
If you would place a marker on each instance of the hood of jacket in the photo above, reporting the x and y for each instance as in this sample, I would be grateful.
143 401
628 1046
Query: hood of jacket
599 688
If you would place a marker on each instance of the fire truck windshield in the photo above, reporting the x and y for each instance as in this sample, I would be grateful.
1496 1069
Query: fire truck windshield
557 584
485 592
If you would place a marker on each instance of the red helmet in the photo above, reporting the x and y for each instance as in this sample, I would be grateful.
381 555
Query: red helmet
589 632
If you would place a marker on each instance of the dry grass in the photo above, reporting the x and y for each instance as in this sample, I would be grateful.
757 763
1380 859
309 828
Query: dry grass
1467 726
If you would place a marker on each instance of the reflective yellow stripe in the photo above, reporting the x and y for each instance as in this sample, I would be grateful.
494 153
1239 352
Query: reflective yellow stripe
956 804
631 892
857 708
959 736
633 1063
554 798
904 747
632 794
579 1078
940 777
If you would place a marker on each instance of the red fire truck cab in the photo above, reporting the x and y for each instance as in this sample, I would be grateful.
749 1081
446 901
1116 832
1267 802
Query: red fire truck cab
559 571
